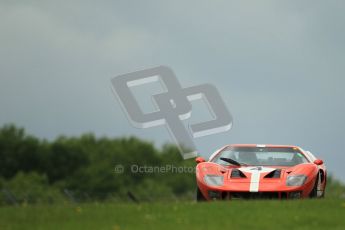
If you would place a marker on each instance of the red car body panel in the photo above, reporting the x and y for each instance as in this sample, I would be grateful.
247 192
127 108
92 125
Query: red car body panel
256 182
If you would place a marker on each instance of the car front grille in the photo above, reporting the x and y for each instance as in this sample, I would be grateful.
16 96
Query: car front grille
257 195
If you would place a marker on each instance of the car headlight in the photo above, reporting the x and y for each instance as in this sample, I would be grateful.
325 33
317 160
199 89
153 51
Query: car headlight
214 180
296 180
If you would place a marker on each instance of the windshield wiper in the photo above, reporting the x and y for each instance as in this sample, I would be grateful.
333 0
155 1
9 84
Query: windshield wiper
231 161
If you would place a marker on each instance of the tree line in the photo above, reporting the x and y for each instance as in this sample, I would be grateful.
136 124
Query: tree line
92 168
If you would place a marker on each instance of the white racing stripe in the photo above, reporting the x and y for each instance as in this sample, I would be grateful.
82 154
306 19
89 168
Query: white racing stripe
255 176
254 181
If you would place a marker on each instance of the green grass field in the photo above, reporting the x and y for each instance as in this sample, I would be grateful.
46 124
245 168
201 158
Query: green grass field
300 214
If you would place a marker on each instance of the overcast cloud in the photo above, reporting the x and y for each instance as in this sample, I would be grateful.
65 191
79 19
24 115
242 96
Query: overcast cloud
279 65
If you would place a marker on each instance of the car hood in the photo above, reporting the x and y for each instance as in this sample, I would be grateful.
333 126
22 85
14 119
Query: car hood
254 175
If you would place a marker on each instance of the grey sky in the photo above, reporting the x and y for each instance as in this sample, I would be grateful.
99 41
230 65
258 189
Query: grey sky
279 66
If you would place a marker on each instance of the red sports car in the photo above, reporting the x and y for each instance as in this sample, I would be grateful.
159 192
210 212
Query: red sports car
260 171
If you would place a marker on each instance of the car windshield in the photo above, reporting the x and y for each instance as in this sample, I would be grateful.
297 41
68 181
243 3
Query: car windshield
261 156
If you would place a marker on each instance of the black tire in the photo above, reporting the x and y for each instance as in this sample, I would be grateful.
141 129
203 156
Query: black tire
199 196
324 188
313 193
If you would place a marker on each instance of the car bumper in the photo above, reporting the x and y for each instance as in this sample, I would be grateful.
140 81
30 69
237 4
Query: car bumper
266 192
230 195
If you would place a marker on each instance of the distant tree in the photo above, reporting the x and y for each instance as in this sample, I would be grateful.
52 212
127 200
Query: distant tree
18 151
29 188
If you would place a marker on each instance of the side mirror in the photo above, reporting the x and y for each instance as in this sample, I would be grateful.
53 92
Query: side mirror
318 162
199 160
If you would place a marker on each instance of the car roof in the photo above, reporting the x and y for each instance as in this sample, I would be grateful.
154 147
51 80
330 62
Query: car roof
263 146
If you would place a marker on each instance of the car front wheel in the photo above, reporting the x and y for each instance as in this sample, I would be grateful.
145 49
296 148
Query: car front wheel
199 196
